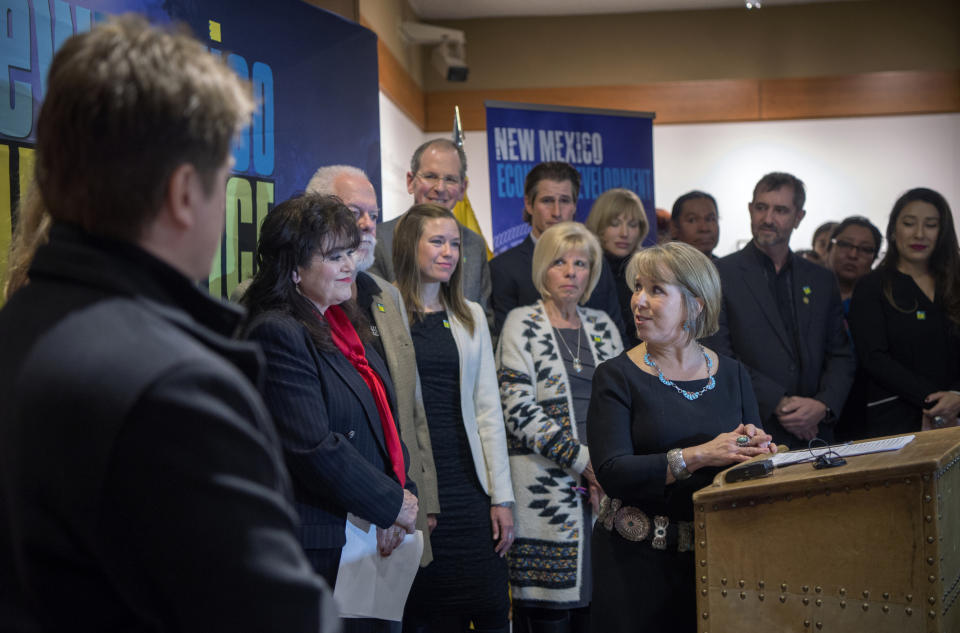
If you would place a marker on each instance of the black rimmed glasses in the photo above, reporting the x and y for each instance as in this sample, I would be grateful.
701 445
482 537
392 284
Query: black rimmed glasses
849 247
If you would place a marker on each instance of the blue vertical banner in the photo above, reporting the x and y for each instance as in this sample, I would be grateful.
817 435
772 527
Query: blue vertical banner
314 76
609 148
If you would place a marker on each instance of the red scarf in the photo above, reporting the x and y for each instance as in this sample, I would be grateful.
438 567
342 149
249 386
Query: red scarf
345 338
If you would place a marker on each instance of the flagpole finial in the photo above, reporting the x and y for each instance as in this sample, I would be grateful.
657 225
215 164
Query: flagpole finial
457 127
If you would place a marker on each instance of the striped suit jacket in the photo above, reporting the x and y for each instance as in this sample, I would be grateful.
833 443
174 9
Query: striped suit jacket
330 430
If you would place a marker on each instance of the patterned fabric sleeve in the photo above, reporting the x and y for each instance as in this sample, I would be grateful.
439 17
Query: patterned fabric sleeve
527 356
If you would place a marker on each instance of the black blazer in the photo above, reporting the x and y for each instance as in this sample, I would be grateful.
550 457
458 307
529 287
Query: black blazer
142 485
752 331
512 275
330 429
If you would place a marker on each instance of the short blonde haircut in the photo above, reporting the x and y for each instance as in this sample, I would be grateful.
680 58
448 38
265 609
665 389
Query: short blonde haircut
682 265
557 240
612 204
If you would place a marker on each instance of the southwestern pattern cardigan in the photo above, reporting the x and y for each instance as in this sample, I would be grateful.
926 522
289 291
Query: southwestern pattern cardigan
546 456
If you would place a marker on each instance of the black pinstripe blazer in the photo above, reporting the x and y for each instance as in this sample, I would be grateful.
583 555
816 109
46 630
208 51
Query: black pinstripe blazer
331 432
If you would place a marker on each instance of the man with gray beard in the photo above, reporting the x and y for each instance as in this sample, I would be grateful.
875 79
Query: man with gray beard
383 306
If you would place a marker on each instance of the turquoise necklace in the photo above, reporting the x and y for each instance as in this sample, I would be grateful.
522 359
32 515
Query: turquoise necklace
689 395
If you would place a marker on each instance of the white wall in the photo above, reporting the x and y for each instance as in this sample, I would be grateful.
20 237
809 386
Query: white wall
850 166
399 136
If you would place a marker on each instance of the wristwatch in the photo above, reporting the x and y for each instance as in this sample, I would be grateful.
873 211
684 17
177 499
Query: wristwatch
678 467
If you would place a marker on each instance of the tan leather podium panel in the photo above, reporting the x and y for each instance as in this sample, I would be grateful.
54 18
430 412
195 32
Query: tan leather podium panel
869 547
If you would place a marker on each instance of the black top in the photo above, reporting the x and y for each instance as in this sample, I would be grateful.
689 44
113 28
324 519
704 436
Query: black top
142 485
618 266
908 352
580 382
635 420
466 575
780 287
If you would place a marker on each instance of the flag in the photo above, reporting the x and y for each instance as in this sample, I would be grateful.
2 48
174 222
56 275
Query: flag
463 211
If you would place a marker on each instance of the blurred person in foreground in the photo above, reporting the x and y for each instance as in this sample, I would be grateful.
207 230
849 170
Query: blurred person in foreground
141 481
664 416
546 357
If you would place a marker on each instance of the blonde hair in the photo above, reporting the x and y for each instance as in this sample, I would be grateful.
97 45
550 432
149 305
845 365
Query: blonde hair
561 238
406 248
612 204
684 266
32 232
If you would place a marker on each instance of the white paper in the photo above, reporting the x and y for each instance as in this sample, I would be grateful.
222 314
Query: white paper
368 584
843 450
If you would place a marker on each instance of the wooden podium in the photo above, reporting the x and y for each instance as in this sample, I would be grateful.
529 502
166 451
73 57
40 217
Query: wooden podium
869 547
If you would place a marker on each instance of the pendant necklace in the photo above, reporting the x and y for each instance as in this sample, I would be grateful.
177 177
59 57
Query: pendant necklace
689 395
577 365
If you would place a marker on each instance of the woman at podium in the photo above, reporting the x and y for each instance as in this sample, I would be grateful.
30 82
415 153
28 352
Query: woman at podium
665 417
905 321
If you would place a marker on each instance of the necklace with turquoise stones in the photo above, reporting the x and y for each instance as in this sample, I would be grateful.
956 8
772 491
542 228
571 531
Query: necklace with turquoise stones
689 395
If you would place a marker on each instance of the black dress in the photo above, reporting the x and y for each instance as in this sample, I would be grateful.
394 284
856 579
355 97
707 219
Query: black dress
634 421
902 355
618 266
466 576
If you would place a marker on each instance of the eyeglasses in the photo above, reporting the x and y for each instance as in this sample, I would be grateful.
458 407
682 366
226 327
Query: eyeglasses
848 247
436 180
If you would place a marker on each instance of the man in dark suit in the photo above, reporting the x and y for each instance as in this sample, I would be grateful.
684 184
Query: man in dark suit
782 318
438 174
550 197
384 308
141 481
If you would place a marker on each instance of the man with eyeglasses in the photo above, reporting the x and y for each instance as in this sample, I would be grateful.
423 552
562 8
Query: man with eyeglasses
853 247
382 305
782 318
438 174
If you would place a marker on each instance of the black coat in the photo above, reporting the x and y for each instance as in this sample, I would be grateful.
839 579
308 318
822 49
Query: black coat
141 481
753 332
331 431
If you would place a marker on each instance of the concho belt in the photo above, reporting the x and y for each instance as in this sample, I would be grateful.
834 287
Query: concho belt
634 524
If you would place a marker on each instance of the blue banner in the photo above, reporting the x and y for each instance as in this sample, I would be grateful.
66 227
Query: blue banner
610 148
314 75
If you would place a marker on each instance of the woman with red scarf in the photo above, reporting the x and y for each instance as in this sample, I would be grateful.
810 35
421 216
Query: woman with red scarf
330 395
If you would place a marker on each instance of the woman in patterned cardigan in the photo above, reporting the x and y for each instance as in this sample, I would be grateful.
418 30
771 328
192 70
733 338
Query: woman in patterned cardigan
546 358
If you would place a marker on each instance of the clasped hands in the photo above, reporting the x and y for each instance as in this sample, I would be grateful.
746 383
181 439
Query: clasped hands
724 448
800 416
388 539
946 404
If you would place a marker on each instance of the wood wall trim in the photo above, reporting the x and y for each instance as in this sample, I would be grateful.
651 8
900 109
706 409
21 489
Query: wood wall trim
399 86
910 92
889 93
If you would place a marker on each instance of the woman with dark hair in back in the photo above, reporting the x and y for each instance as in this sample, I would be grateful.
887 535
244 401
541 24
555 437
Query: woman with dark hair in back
905 321
467 580
330 394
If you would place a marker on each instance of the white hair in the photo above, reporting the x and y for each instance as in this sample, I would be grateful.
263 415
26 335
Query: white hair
322 181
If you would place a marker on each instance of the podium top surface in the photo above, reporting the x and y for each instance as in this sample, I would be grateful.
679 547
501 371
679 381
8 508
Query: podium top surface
929 452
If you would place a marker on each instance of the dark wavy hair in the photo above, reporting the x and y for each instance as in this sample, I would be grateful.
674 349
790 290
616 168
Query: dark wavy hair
292 233
944 261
